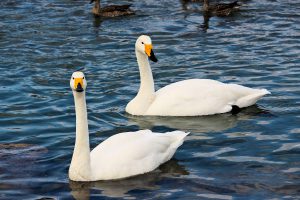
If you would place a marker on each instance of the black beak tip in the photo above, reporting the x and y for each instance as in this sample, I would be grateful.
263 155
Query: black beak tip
79 88
153 57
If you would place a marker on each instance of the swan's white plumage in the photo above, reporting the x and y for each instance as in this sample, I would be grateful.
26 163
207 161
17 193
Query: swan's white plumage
193 97
131 153
201 97
121 155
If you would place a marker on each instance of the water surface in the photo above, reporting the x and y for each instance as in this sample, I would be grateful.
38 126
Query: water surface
251 155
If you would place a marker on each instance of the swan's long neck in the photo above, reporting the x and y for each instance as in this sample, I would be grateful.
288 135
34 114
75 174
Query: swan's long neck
80 164
140 104
147 83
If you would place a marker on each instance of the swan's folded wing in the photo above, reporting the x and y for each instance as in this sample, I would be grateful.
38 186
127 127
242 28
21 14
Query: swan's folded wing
191 98
132 153
199 97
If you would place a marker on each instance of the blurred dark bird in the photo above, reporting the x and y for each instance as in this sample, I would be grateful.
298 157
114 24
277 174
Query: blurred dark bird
220 9
190 1
111 11
186 2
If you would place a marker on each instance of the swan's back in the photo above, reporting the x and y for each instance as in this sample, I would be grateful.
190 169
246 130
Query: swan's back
131 153
202 97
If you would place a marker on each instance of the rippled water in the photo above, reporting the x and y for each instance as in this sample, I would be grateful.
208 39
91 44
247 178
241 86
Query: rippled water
254 154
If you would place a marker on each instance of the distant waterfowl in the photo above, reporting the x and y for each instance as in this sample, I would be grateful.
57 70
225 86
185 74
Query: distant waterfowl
193 97
111 11
185 3
220 9
121 155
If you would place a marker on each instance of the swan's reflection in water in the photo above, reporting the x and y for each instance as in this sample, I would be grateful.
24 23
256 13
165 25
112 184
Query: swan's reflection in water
121 188
201 124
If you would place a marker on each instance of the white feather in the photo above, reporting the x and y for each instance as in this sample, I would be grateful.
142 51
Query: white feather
201 97
131 153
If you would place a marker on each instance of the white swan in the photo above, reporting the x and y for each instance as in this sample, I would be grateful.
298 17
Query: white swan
122 155
193 97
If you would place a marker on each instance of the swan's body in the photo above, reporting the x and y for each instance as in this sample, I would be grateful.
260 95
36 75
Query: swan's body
132 153
192 97
202 97
120 156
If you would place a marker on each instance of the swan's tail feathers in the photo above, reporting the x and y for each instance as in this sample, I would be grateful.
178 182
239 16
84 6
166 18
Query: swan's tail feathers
266 91
251 99
178 134
178 138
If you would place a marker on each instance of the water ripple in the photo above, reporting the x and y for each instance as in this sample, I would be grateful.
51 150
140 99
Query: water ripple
254 154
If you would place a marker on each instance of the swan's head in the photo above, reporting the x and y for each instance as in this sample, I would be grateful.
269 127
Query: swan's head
144 45
78 82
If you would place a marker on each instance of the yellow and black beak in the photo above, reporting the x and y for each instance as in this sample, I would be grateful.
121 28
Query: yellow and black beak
150 53
78 83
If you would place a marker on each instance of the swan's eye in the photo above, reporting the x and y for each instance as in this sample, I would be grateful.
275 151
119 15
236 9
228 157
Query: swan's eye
142 42
73 78
82 77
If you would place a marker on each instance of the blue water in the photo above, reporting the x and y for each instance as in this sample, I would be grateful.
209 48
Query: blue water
252 155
